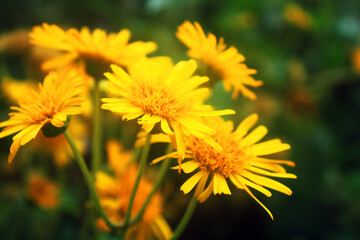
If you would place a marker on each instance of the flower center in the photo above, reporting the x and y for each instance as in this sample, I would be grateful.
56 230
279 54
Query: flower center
157 101
41 112
232 160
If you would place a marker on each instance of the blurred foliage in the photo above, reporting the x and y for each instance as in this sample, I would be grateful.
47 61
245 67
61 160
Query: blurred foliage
310 99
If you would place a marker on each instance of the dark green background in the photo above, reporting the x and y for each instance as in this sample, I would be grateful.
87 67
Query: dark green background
316 109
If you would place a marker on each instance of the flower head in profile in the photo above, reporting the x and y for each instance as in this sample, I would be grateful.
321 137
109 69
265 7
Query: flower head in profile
42 191
226 62
96 46
114 193
158 93
241 161
56 98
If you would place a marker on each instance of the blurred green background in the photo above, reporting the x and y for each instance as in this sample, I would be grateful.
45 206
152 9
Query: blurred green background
310 99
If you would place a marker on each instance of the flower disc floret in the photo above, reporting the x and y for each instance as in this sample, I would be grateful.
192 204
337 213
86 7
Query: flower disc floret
232 160
157 101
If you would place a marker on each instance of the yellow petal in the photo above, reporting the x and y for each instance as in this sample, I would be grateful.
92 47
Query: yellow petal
57 122
181 72
180 144
271 161
200 187
170 155
165 127
245 125
12 129
262 150
31 134
59 61
269 166
252 195
191 182
11 122
13 150
272 174
267 182
188 167
161 228
220 185
206 194
256 135
253 185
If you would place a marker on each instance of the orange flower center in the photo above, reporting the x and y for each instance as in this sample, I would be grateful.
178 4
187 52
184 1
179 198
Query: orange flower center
157 101
41 112
232 160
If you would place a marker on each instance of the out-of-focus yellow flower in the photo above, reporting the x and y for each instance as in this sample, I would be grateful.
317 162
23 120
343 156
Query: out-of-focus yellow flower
117 157
156 92
15 42
13 90
114 194
228 63
241 162
42 191
57 98
294 14
243 20
95 46
356 59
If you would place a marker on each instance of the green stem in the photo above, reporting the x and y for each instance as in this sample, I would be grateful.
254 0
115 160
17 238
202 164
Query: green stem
143 159
185 219
160 177
89 180
97 130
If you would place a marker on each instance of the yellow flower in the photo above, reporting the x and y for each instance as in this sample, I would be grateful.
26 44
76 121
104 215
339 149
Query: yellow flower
13 90
163 94
227 63
296 15
43 192
15 42
356 59
56 99
96 45
114 194
241 161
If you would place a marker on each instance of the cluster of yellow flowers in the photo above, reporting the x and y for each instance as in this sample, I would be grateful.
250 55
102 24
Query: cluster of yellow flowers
167 100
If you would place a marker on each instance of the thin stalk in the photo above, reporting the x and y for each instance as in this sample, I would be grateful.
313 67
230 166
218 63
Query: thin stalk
97 130
185 219
143 159
89 180
160 177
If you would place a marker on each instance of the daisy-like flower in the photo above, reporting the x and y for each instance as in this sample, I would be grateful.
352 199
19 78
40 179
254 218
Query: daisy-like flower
227 63
43 192
57 98
156 92
96 46
241 162
114 193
